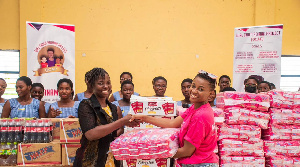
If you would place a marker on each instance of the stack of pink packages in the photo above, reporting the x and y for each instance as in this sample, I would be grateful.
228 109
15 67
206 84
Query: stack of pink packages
285 116
284 99
243 116
146 144
282 161
284 148
239 161
281 132
252 101
219 116
228 147
240 132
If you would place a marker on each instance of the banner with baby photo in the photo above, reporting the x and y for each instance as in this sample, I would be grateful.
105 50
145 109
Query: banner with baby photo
50 55
257 53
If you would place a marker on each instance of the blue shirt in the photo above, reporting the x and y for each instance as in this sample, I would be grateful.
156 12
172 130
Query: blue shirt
67 111
179 103
80 96
124 109
47 106
24 111
117 95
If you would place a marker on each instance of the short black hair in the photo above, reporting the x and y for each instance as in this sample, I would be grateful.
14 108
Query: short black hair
228 89
95 74
158 78
50 49
65 80
205 76
224 76
37 85
272 84
43 56
251 77
26 80
126 82
189 80
128 73
266 82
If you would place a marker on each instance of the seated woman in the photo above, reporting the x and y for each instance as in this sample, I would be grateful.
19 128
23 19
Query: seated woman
65 107
3 86
125 76
24 106
159 86
37 92
127 89
185 87
89 91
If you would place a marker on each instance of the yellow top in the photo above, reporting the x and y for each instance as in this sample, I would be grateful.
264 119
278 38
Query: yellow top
110 159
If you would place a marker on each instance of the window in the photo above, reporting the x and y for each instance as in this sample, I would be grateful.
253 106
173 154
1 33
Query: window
290 73
10 71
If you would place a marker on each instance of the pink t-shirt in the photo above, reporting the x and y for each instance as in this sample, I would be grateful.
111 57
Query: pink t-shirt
198 128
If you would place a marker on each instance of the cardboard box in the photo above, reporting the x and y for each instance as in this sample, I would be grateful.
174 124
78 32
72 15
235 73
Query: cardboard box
70 131
147 163
56 129
163 106
39 153
68 152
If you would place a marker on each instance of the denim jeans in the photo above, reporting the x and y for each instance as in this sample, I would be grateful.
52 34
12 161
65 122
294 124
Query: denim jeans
201 165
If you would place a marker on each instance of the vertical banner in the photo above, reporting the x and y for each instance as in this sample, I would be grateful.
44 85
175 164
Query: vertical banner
257 51
50 55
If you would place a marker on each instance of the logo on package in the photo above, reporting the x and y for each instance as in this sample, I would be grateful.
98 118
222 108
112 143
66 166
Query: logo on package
30 156
74 132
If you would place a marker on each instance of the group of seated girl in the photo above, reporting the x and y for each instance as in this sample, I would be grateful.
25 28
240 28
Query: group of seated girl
29 104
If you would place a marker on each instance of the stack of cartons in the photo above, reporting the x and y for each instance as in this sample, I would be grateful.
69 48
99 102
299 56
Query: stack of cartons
66 135
163 107
70 135
39 154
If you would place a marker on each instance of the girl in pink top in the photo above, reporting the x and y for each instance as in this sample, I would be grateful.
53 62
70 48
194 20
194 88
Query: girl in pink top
198 136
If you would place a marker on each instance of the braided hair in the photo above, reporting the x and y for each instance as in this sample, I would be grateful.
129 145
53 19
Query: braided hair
95 74
87 75
205 76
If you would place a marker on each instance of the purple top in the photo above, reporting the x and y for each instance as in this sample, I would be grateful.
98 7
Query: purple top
51 63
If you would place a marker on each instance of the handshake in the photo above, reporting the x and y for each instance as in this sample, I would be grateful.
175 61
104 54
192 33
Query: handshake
133 120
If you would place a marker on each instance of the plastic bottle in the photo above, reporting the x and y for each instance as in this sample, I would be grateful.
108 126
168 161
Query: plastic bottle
39 131
4 128
18 130
33 135
11 130
27 131
47 129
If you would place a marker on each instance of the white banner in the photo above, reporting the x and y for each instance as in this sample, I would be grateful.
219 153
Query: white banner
50 55
257 51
